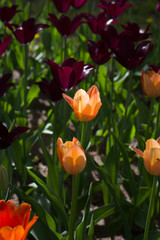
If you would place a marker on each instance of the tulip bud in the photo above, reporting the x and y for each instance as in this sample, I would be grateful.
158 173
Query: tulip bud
71 156
85 105
151 156
151 83
3 179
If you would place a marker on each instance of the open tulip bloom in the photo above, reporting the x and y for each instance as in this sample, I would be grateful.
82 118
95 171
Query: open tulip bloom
85 104
7 138
7 13
63 5
65 25
126 53
99 51
14 221
25 34
151 156
71 156
151 83
114 9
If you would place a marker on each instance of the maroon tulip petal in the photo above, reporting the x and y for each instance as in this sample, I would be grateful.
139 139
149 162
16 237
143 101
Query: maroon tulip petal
51 90
7 138
69 62
7 13
78 3
154 68
62 5
4 44
64 74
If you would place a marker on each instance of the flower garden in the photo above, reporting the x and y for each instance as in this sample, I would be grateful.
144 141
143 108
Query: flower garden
79 120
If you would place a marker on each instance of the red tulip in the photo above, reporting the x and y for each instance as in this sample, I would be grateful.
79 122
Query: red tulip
14 221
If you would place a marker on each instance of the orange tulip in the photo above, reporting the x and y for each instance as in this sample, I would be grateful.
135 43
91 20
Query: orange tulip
85 105
14 223
151 156
151 83
71 156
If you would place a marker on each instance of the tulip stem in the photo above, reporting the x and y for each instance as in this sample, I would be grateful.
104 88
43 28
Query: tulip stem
25 80
149 119
75 187
150 209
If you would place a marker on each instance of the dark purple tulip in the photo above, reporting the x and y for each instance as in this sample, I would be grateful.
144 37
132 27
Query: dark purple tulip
124 49
26 33
62 5
154 68
114 9
65 77
7 13
133 31
70 73
3 83
98 24
99 51
65 25
51 89
4 44
7 138
78 3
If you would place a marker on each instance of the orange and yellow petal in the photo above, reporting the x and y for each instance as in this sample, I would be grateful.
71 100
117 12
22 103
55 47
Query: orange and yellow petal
74 161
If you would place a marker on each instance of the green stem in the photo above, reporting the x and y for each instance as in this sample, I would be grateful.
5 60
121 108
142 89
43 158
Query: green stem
75 188
25 80
149 119
150 209
127 104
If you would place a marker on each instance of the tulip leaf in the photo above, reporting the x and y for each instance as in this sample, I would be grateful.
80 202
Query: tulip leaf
44 217
143 193
57 204
81 229
32 93
91 229
52 178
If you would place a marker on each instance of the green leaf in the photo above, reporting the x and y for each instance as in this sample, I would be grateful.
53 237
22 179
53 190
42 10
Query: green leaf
42 214
81 229
143 193
57 204
33 93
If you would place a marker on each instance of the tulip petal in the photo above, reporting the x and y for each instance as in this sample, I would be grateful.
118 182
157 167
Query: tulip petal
74 161
68 99
139 152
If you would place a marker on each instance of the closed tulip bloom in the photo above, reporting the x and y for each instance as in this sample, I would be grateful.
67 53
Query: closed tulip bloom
14 221
151 83
71 156
4 83
85 104
7 13
151 156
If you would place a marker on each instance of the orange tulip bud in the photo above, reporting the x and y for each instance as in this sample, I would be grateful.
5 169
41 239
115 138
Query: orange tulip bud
151 83
71 156
14 223
151 156
85 105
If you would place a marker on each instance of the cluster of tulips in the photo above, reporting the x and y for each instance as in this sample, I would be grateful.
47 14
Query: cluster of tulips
129 48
